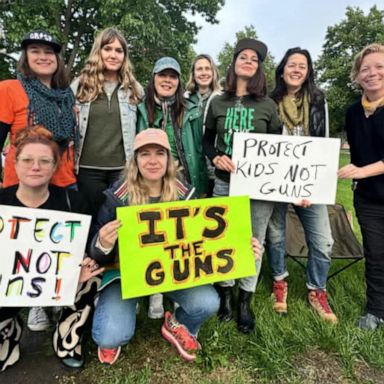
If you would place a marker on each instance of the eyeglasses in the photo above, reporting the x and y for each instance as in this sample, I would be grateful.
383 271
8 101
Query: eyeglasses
44 162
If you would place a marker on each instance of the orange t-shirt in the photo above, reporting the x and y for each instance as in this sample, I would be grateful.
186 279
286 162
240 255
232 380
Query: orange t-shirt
14 111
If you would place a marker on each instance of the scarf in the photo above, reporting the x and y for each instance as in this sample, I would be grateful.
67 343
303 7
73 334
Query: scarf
52 108
165 104
371 106
294 112
202 99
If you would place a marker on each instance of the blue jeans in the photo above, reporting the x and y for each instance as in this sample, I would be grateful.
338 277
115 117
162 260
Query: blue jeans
114 320
319 240
261 211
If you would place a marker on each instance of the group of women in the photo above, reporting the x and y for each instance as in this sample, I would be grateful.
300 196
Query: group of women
107 141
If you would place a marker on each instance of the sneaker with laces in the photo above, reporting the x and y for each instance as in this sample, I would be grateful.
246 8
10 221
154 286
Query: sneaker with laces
280 292
319 302
156 309
108 356
178 335
370 322
38 319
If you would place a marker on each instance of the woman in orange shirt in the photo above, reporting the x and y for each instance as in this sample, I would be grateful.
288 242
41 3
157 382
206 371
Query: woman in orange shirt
40 95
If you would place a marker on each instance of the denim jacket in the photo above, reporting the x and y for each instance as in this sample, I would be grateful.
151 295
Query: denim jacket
127 117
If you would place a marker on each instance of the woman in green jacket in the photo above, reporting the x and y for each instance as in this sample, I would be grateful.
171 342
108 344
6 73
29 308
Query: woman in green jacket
165 107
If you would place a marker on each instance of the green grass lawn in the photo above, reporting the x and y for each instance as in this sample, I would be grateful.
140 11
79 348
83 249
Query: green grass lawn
298 348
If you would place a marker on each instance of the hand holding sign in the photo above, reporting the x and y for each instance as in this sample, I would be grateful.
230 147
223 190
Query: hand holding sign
108 234
169 246
224 163
285 168
41 253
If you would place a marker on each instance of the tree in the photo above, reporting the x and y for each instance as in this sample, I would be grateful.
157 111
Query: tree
342 42
153 28
226 54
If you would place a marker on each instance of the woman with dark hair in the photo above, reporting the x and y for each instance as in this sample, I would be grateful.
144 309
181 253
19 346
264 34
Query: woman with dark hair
36 158
303 112
107 95
164 107
364 125
244 95
40 95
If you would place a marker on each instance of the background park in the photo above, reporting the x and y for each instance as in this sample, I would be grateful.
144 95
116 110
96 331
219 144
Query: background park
298 348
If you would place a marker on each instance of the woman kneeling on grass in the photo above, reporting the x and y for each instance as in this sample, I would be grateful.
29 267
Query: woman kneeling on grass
150 178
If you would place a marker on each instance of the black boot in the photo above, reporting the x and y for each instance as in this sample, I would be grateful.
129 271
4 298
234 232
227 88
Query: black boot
226 300
245 316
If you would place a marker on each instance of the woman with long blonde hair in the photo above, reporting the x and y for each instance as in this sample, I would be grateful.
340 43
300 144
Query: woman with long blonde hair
107 94
150 178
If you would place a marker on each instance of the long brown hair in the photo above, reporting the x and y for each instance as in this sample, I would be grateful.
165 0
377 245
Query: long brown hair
256 86
92 76
177 108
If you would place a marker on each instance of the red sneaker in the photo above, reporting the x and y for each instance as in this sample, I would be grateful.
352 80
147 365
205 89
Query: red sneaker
178 335
108 356
280 292
319 302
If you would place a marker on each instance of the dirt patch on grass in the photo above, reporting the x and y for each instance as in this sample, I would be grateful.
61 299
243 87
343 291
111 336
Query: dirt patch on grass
316 366
369 375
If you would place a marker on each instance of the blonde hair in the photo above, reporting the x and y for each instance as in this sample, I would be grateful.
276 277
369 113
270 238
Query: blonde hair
192 86
91 78
372 48
138 191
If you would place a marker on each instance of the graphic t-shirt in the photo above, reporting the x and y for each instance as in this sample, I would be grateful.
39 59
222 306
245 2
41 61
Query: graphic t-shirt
230 114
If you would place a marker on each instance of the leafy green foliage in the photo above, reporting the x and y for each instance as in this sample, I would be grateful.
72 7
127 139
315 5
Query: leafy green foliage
226 54
152 28
342 42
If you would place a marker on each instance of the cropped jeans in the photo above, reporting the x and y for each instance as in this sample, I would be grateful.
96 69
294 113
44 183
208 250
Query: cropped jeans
261 211
319 240
114 321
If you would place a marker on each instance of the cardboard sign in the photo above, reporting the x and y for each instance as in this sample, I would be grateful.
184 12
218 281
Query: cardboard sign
40 255
285 168
169 246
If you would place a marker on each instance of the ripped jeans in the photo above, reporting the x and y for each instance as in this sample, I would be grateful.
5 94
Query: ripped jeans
319 240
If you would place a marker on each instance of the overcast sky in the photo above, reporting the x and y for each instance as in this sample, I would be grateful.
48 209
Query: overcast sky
280 24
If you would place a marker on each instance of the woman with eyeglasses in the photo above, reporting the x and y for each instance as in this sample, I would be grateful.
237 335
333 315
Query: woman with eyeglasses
39 95
36 159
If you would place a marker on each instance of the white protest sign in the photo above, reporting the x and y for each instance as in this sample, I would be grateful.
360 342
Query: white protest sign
40 255
285 168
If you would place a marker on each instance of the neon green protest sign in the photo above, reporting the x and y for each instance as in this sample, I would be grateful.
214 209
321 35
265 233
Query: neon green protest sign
168 246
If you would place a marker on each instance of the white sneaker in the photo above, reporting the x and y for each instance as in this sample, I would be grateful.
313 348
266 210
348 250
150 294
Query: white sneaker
38 319
156 309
